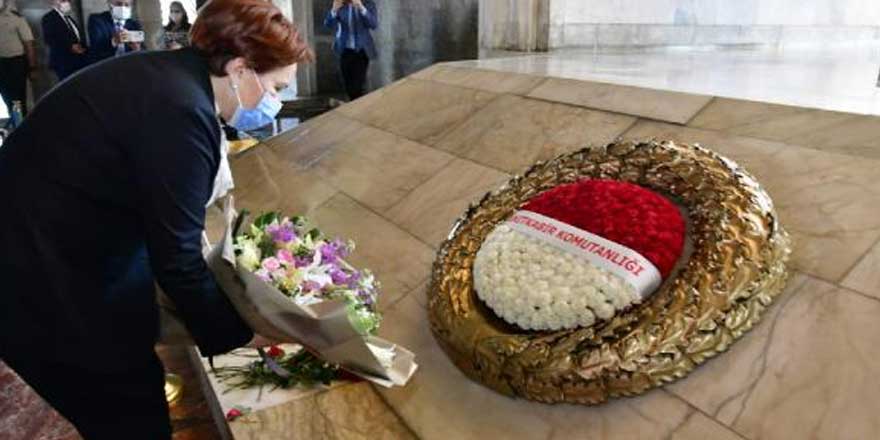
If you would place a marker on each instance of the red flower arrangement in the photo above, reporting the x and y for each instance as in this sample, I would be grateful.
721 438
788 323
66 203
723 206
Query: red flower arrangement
578 254
622 212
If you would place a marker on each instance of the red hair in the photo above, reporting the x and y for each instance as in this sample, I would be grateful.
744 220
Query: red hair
255 30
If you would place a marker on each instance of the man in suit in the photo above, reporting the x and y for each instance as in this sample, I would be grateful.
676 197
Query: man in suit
107 31
65 39
353 20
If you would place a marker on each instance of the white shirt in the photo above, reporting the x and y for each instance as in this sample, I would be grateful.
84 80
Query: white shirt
223 182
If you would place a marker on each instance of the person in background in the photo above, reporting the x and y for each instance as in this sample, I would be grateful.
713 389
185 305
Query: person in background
17 56
175 35
353 20
108 29
65 40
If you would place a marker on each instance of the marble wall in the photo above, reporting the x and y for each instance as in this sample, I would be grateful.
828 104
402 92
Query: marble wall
577 23
520 25
700 22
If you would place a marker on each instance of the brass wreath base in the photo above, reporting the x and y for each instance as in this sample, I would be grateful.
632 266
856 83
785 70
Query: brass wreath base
735 270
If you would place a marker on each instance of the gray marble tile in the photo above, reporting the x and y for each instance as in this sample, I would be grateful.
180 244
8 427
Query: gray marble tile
418 110
429 211
512 133
807 371
844 133
648 103
830 203
378 168
487 80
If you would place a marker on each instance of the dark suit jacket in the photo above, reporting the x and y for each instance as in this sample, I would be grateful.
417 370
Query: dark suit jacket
361 26
103 189
59 38
101 31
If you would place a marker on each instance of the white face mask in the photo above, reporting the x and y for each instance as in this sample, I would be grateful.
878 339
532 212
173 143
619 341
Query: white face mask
120 12
64 7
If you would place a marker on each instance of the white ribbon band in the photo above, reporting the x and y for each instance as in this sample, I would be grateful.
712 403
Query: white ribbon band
620 260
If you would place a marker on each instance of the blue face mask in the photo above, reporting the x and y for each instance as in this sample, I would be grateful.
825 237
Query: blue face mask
263 114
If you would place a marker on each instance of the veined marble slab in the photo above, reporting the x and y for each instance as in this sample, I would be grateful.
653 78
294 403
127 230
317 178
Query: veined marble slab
393 170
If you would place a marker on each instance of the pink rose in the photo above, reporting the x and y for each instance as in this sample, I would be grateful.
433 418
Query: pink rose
286 257
271 264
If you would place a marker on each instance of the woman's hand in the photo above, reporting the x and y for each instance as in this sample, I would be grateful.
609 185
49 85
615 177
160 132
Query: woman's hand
259 341
336 5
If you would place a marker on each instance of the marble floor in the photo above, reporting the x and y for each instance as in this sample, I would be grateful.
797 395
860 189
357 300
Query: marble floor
394 169
840 77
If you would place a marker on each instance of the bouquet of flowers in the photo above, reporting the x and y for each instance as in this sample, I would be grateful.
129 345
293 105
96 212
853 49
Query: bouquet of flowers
290 282
308 267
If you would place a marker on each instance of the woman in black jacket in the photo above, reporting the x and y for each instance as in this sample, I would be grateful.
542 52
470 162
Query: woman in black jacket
104 190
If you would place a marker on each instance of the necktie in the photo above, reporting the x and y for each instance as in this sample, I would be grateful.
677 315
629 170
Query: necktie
352 43
120 26
72 25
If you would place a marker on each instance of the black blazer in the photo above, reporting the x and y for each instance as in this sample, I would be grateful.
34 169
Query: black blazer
101 31
59 38
104 189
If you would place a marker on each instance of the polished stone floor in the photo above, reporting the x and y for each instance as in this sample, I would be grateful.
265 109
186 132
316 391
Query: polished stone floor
839 77
393 170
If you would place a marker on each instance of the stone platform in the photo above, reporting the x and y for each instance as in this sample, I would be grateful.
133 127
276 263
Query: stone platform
394 169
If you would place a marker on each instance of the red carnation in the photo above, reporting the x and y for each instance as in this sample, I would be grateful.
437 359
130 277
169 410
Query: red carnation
275 352
622 212
233 414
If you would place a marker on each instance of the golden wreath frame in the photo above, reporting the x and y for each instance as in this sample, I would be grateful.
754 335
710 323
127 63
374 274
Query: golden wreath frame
737 266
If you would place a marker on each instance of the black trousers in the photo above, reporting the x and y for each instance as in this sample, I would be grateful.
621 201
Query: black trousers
354 65
13 81
124 405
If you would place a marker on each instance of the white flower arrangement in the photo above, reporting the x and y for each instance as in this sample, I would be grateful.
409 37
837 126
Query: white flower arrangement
536 286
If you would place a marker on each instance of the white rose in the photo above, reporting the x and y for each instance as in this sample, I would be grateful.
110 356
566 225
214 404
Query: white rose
249 258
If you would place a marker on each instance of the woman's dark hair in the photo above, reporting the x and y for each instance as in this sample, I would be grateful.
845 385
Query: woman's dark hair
184 25
255 30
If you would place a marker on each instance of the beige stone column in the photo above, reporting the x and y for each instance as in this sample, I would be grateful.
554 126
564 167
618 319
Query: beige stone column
516 25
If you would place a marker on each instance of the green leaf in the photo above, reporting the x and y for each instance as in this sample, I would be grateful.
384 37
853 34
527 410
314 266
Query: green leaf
266 219
315 234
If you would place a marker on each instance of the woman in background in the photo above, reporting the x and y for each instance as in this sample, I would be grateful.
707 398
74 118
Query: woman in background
175 35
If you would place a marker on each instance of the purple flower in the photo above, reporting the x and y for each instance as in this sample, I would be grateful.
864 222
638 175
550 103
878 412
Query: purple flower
299 262
339 277
331 252
354 279
365 297
283 233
